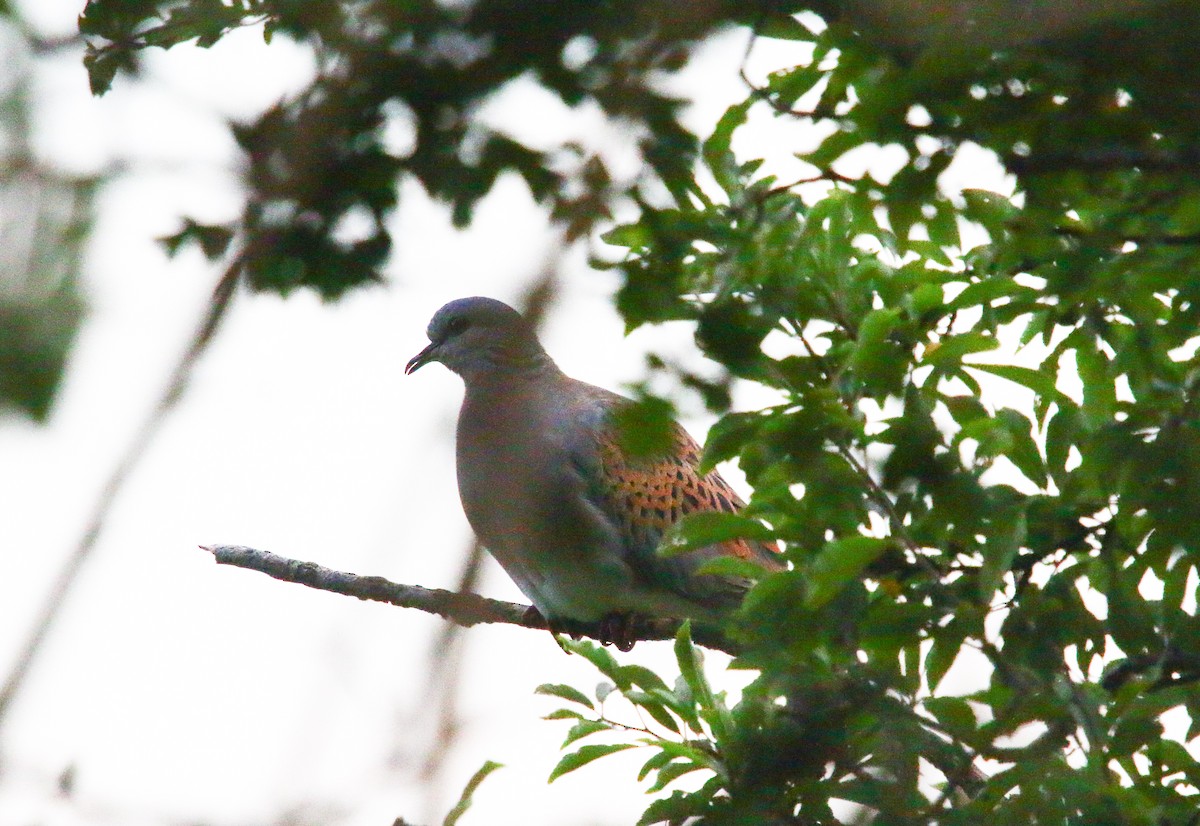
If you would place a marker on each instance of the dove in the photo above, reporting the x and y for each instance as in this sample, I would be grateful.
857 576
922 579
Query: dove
571 516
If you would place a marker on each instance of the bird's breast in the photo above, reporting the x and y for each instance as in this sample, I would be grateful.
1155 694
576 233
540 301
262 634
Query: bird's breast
506 475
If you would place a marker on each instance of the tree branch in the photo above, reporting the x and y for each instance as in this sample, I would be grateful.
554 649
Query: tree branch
462 609
1104 159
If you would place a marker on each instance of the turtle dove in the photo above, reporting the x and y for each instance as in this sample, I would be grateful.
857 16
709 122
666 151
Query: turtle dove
570 516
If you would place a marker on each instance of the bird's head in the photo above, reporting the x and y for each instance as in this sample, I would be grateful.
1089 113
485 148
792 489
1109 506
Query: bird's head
478 337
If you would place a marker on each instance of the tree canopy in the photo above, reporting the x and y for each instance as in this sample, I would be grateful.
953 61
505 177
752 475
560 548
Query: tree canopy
987 441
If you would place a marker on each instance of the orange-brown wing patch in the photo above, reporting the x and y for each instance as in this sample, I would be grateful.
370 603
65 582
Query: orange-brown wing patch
650 495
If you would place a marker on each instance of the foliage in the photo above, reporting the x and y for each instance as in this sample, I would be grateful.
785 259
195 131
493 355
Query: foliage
985 453
696 732
321 172
467 797
45 215
988 450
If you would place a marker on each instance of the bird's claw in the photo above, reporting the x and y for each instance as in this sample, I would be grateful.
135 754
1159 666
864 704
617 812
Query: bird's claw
614 628
617 629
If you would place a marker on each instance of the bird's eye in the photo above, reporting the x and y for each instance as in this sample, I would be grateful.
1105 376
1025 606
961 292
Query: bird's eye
456 326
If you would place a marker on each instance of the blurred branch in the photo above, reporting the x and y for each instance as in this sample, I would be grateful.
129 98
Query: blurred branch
217 306
910 26
48 45
462 609
445 676
1170 667
1117 239
1105 159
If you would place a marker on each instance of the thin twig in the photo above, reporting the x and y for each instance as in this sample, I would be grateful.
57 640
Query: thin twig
824 176
758 91
881 499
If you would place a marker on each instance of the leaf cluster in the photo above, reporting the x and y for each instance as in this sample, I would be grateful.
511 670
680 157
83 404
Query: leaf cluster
985 453
691 728
323 173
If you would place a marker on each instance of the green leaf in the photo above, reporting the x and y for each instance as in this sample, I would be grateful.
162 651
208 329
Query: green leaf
1024 450
943 651
465 799
784 27
878 360
645 428
656 762
838 563
585 755
929 250
564 692
691 668
995 212
926 298
729 435
731 567
631 236
564 714
599 657
955 715
995 438
697 751
1035 380
943 227
965 409
949 352
1099 389
655 707
1000 548
988 290
691 664
833 147
700 530
672 772
642 676
584 728
685 704
677 808
1131 621
717 154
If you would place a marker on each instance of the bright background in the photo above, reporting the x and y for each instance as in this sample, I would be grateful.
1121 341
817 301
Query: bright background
177 691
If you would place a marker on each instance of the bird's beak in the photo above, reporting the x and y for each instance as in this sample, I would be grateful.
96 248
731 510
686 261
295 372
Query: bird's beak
421 359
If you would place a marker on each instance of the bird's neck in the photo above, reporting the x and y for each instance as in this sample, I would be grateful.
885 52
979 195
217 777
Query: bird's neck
514 376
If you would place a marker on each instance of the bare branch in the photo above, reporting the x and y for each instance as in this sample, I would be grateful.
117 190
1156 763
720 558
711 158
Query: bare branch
462 609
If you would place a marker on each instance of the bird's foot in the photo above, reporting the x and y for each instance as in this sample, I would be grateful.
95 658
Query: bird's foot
617 628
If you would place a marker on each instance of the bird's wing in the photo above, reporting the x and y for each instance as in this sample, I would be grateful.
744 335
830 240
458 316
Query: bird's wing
643 497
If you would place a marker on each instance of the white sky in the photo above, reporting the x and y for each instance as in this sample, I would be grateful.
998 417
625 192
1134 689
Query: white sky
186 692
